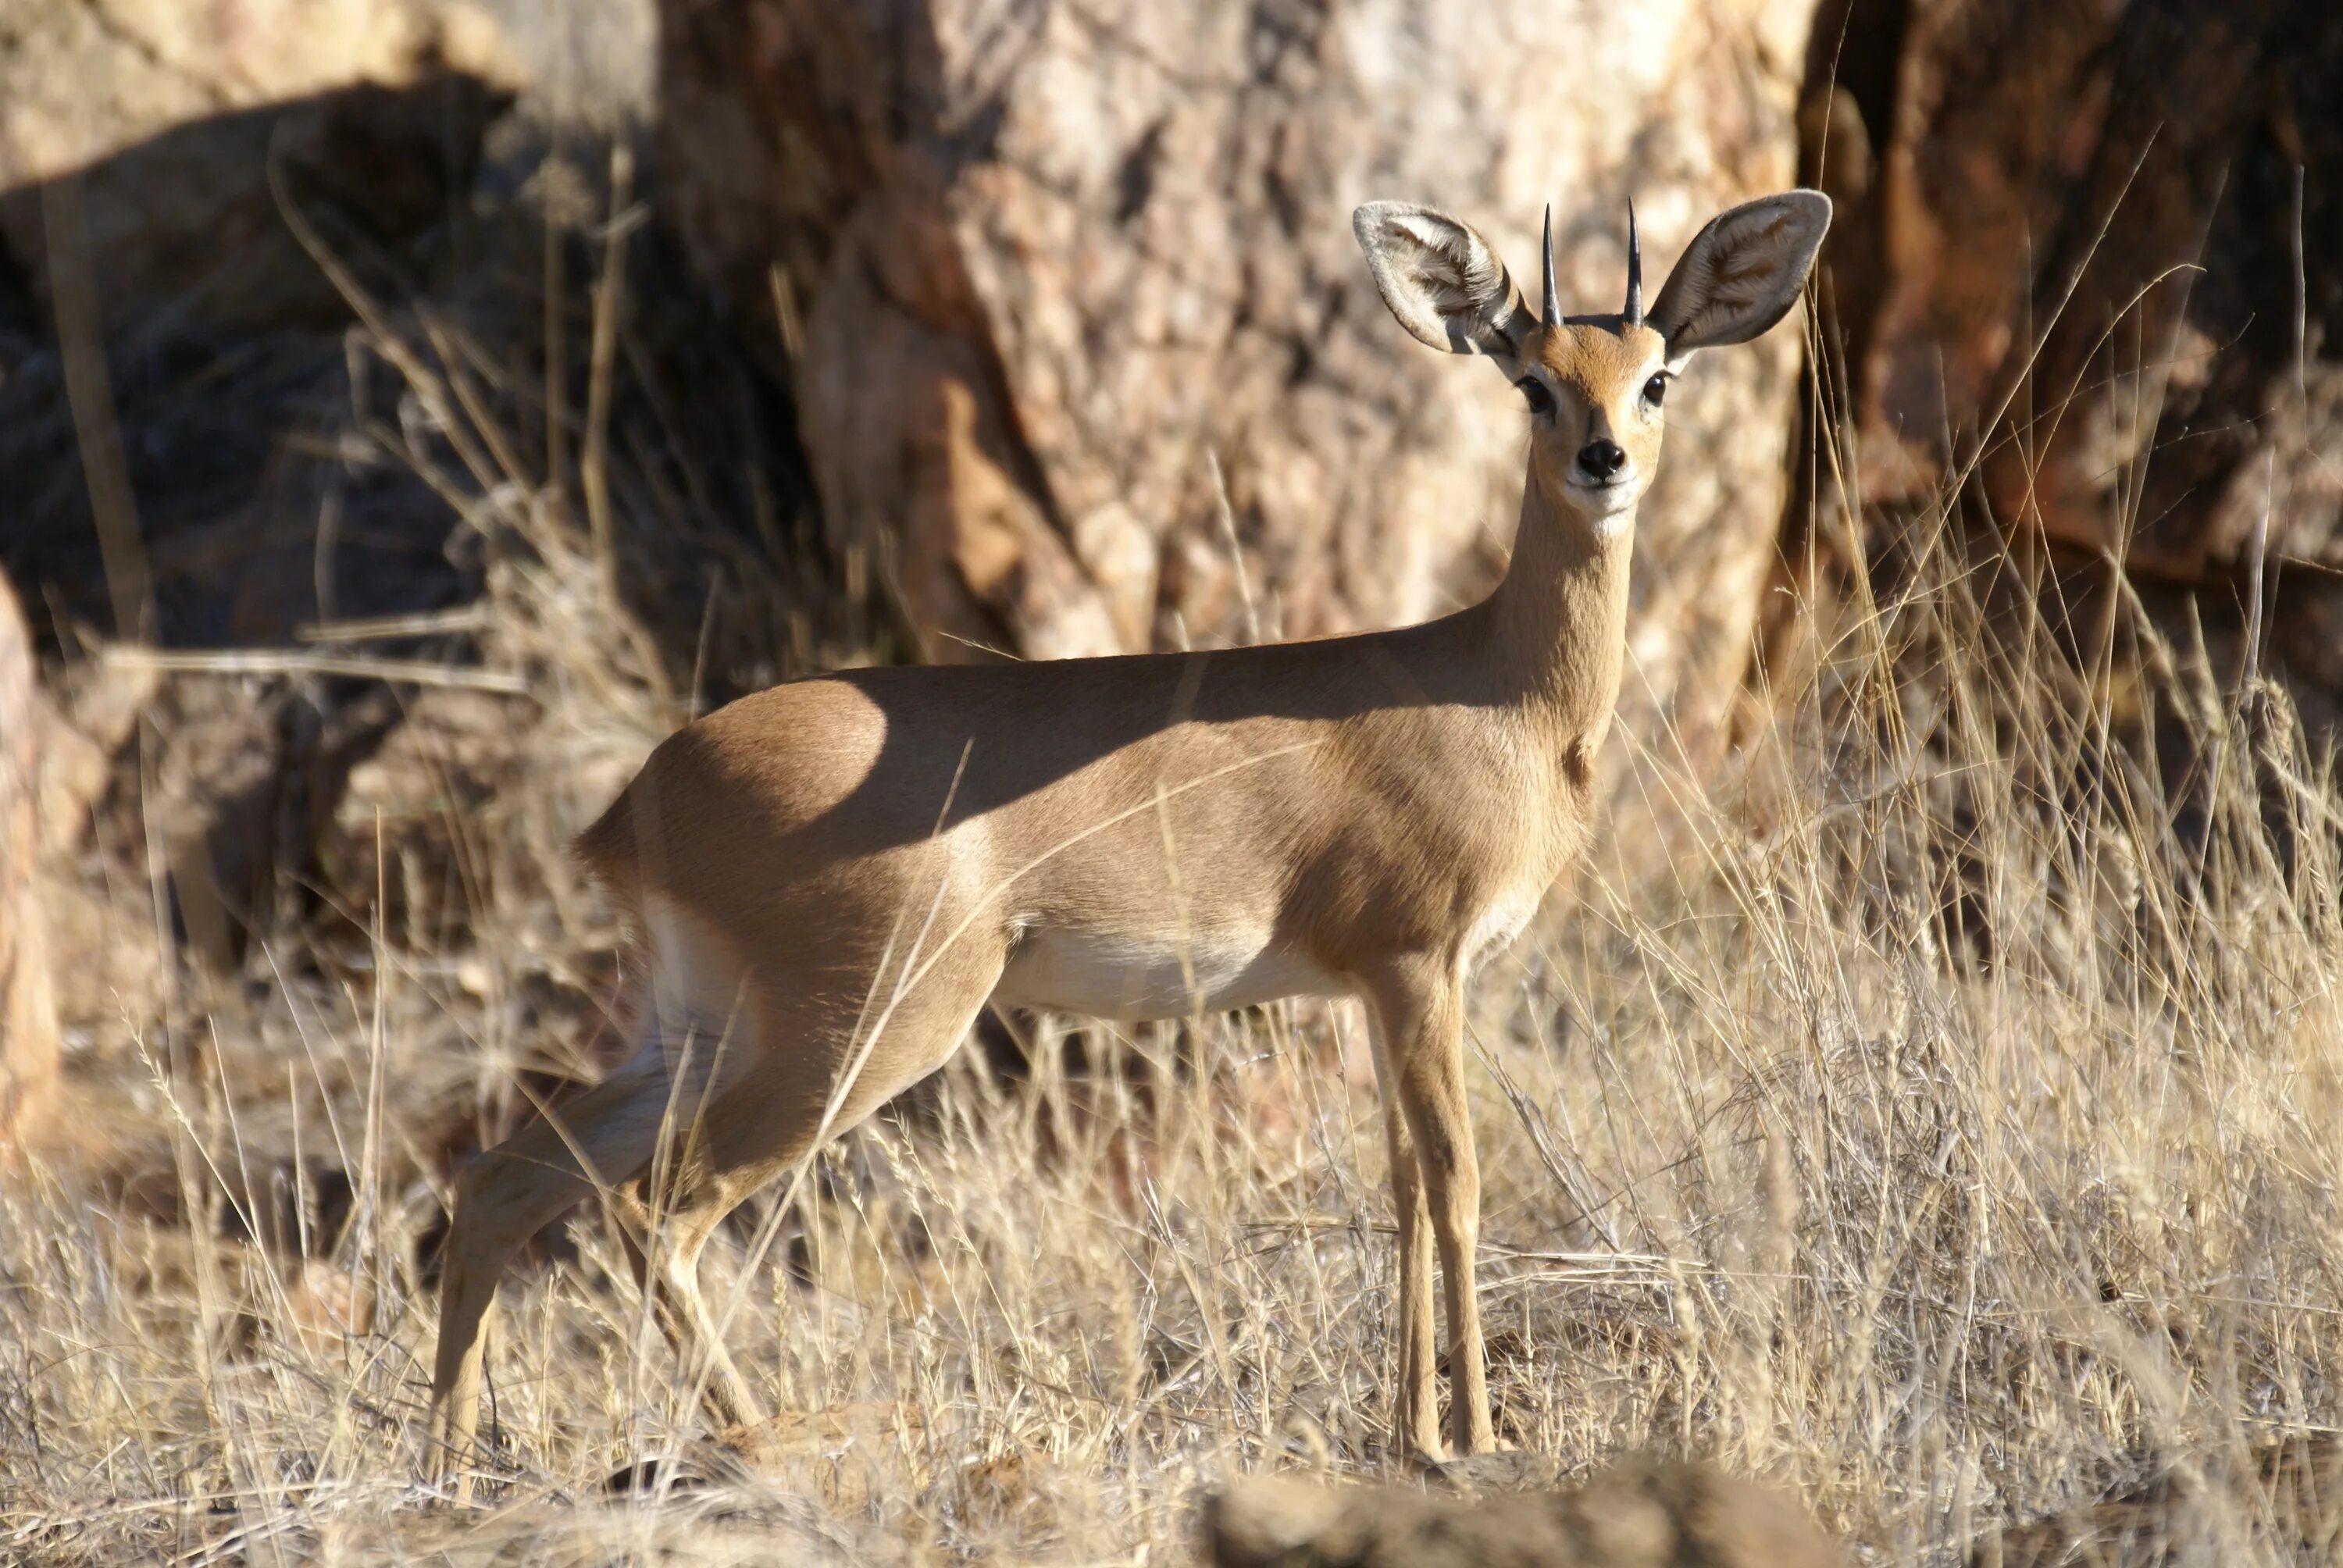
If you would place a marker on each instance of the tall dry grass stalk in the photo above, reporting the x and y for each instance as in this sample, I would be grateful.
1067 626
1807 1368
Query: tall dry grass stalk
1949 1132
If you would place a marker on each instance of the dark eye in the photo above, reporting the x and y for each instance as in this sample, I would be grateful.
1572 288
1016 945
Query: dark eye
1656 390
1541 400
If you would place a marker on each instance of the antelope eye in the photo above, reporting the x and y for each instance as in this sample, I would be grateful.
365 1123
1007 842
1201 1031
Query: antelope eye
1656 390
1541 400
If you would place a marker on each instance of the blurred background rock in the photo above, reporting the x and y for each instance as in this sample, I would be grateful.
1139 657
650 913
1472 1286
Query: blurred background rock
922 330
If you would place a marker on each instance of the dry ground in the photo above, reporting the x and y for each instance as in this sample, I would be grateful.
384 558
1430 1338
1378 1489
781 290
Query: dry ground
1946 1129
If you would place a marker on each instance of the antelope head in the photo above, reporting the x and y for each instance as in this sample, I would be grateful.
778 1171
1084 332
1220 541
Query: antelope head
1595 384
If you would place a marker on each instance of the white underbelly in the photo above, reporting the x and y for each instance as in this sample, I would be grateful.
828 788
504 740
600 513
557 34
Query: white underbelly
1129 979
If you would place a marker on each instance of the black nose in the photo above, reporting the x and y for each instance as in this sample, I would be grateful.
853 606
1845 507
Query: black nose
1601 459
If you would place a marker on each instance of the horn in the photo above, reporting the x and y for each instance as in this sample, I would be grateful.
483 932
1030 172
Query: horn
1633 314
1551 314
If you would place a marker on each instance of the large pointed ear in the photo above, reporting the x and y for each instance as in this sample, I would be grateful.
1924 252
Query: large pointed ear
1441 280
1740 274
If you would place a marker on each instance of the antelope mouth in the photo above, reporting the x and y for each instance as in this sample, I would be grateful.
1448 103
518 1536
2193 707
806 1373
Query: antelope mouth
1606 505
1609 495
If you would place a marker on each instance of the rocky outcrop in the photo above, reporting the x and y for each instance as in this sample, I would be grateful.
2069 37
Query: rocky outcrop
81 80
2124 186
167 114
1039 268
1640 1513
2276 1502
28 1023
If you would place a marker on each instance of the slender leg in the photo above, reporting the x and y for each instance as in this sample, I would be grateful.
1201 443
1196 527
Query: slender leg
667 1266
504 1198
1416 1421
1424 1024
764 1117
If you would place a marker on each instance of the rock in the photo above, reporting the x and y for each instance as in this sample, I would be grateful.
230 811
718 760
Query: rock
149 153
2280 1502
835 1456
86 734
1047 264
414 823
105 956
182 235
326 1306
1988 156
582 64
82 80
1641 1513
248 773
28 1024
89 920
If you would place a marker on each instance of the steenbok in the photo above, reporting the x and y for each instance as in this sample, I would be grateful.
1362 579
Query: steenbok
828 880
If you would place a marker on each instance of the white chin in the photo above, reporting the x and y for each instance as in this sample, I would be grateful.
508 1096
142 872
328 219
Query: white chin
1609 510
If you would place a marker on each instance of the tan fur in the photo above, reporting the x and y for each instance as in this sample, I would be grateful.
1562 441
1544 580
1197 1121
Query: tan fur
1641 1513
834 876
1596 375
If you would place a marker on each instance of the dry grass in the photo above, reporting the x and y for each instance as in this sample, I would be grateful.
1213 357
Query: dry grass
1948 1135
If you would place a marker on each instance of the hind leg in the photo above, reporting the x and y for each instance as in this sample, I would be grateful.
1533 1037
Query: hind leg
798 1075
785 1103
774 1119
665 1247
506 1195
665 1220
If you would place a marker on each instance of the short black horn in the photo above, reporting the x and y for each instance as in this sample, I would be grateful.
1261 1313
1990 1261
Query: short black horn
1551 314
1635 311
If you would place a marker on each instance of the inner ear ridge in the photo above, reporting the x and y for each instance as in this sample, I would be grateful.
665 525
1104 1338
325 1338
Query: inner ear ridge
1442 281
1735 268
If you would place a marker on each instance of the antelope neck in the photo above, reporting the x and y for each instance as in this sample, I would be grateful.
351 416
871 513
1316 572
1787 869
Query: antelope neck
1555 629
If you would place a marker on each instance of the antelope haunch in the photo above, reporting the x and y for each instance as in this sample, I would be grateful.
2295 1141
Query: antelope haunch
831 878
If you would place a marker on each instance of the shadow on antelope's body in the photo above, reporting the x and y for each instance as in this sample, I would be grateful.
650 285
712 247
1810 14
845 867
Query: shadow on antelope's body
830 879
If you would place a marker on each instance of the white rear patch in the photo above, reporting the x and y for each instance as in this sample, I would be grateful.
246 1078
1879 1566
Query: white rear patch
1132 978
692 988
1499 924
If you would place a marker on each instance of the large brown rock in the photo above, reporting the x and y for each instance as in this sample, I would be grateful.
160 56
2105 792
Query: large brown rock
2280 1502
81 80
2115 183
28 1024
137 138
171 356
1038 266
1640 1513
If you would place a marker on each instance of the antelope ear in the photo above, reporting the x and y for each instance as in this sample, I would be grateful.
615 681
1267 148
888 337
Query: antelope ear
1740 274
1441 280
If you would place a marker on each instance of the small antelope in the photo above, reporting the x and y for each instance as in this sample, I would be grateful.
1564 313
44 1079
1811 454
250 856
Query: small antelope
830 879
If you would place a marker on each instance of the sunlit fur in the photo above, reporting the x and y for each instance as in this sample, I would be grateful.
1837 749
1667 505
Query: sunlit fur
1598 375
831 878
